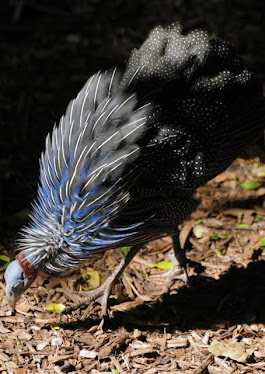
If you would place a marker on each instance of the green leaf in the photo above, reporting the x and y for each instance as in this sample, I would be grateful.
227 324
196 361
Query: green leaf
198 231
5 266
218 253
92 278
123 250
114 371
198 221
249 185
55 308
6 261
262 242
260 174
243 226
55 326
255 165
164 265
4 258
217 237
257 218
142 273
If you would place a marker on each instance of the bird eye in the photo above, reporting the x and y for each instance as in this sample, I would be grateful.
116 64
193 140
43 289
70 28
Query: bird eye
11 293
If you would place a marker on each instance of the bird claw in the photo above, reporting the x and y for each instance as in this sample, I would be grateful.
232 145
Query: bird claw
100 295
176 273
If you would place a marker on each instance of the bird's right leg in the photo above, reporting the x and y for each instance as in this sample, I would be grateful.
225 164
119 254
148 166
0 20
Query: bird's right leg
101 294
178 271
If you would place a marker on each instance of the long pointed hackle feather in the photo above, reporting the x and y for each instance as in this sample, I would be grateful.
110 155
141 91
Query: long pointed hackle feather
82 187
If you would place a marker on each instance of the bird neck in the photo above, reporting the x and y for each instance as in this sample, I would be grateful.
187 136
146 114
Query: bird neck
28 269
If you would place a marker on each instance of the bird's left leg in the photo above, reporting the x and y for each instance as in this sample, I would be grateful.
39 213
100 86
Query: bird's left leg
101 294
178 271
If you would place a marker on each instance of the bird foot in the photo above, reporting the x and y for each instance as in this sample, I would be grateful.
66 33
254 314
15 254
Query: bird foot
176 273
100 295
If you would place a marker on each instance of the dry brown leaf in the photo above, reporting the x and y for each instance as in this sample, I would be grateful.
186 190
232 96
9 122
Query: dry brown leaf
184 234
234 350
23 308
88 354
55 359
20 371
4 357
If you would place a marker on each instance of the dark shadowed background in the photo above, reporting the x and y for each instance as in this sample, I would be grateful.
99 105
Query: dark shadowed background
49 48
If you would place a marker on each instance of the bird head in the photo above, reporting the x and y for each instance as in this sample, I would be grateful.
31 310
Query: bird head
17 282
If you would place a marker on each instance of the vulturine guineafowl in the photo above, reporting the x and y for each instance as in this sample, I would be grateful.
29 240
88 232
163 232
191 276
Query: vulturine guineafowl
122 166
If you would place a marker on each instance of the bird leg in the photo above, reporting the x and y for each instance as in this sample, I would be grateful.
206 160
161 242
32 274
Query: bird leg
101 294
178 271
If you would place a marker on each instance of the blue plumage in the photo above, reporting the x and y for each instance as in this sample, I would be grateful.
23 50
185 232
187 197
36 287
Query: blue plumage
81 190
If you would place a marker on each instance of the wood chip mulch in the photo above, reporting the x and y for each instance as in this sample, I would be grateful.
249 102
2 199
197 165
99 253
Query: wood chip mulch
145 332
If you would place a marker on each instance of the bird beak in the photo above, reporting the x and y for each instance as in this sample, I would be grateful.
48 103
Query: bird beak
11 302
